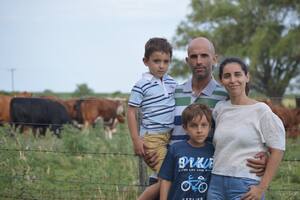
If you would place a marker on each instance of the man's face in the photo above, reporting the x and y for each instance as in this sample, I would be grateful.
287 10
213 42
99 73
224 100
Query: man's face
201 59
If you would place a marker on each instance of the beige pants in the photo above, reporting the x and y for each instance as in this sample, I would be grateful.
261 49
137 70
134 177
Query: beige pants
157 142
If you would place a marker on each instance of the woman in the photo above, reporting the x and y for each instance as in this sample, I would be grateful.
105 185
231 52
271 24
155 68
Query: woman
244 127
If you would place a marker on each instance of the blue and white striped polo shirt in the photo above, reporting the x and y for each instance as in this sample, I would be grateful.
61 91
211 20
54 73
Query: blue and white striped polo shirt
155 98
184 96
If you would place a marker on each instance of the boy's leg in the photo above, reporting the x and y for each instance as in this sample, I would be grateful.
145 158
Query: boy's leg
157 143
151 192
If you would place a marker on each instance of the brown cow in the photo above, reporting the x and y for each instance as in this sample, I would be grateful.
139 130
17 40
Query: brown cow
290 118
297 114
5 105
110 111
4 109
70 105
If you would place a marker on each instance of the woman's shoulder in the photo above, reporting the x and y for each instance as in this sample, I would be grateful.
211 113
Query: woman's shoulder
262 107
223 103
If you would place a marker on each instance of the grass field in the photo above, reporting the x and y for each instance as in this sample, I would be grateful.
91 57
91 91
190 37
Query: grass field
88 166
78 166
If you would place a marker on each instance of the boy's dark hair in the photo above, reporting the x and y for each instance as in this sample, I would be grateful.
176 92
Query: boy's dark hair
157 44
238 61
194 110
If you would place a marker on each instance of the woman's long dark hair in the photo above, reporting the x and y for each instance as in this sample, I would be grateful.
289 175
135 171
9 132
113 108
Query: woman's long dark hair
239 61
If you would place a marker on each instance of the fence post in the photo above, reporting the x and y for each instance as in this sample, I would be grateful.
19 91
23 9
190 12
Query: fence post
143 176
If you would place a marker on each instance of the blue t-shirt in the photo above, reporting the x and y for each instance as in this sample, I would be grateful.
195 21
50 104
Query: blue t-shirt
189 169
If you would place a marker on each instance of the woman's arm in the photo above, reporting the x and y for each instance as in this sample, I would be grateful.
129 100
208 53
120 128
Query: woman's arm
273 163
164 189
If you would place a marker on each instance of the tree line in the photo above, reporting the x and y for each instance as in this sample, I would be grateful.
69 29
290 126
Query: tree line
266 34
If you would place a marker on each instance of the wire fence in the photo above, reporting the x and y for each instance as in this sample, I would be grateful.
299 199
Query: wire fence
31 180
24 185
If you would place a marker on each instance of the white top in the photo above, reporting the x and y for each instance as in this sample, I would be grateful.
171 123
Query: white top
241 132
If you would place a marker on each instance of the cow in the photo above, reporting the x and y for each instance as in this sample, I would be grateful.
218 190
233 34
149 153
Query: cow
4 109
70 106
39 114
90 110
289 117
5 106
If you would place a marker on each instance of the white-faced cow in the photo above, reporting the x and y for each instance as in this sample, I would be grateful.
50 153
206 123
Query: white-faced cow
90 110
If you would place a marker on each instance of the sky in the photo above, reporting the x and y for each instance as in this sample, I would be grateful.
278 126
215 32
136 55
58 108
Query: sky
58 44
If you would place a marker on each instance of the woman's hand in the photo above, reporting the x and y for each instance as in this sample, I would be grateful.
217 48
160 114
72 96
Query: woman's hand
255 193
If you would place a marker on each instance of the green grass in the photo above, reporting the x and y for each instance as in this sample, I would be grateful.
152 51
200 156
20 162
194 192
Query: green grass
76 166
88 166
286 184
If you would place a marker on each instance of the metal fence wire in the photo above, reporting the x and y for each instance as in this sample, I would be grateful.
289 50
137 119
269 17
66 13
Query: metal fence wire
22 183
32 176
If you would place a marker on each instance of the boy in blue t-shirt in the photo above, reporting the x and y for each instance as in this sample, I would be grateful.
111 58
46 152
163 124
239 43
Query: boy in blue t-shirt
186 170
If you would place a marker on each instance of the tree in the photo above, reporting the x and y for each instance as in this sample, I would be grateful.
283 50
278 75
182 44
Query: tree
82 90
48 92
264 33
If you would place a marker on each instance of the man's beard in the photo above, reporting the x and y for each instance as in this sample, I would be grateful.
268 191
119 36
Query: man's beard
202 76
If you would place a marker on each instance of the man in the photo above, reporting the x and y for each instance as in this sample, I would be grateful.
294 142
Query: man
200 88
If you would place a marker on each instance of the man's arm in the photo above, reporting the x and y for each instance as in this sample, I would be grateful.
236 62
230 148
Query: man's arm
258 163
151 158
164 189
132 121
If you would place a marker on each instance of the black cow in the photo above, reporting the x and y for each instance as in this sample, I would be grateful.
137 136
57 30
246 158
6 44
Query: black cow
39 114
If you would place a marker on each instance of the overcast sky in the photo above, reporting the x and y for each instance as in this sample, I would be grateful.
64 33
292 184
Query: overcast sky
57 44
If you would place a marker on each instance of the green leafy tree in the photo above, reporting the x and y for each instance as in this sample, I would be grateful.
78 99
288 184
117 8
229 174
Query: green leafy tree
83 90
264 33
48 92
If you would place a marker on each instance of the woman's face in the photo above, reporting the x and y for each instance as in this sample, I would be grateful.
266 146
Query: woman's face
234 79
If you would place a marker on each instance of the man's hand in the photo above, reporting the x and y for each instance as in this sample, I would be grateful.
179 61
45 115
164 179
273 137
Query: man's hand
258 163
151 158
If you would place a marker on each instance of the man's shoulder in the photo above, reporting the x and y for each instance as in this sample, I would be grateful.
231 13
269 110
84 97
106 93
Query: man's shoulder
220 91
180 87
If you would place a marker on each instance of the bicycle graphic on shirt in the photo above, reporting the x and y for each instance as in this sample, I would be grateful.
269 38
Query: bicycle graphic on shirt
194 184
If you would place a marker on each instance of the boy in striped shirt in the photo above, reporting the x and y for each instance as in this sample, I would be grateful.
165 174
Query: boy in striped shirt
153 96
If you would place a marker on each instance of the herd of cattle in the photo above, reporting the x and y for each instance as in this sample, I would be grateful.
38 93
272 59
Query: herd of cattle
39 113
